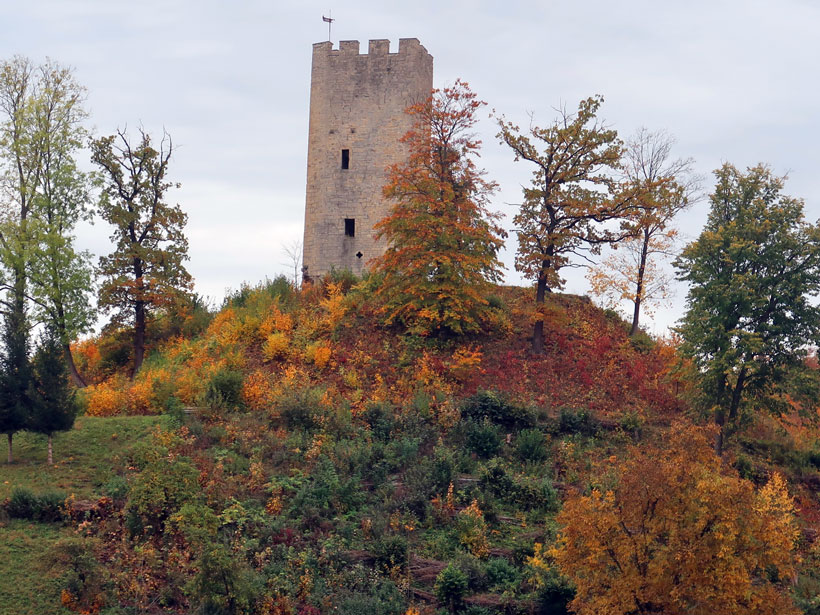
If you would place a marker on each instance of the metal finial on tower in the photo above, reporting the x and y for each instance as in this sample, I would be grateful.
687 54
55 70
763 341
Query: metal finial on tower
329 21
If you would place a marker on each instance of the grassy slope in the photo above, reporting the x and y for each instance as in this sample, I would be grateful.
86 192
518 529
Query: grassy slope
29 582
83 457
29 585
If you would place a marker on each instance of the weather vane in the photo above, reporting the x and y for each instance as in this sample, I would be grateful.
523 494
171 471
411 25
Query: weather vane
329 21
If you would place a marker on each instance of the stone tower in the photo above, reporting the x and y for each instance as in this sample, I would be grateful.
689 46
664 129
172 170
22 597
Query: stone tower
357 104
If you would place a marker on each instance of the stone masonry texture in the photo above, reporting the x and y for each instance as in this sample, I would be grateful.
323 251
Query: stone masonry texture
357 103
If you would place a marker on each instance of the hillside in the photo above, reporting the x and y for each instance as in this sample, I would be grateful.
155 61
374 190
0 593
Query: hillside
312 461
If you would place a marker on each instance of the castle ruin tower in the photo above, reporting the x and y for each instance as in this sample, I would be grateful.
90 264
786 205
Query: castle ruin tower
357 104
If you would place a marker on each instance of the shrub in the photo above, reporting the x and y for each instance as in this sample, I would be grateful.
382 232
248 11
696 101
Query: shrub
450 587
23 504
276 346
474 569
501 574
344 278
379 417
531 445
483 438
116 488
301 409
496 480
256 391
391 553
642 342
632 423
105 399
472 530
577 421
163 486
225 390
384 599
318 354
496 408
86 584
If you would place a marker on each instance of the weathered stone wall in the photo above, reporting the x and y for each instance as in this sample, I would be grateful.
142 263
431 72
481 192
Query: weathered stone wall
357 103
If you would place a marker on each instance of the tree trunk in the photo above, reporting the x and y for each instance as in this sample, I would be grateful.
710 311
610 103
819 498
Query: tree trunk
720 416
139 337
721 419
636 314
10 458
541 291
50 450
76 377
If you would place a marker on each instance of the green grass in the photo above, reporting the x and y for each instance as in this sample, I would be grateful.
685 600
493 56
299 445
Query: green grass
83 457
29 584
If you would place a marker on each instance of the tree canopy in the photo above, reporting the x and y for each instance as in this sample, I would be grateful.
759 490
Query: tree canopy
678 535
146 268
575 190
442 238
752 273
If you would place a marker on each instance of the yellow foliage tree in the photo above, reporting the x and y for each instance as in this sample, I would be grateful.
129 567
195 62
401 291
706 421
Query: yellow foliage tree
679 536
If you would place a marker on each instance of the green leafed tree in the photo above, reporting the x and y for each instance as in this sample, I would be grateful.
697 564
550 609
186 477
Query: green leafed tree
575 192
145 271
442 239
752 273
43 197
53 400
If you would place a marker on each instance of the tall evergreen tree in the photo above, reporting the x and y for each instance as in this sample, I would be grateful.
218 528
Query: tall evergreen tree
53 401
15 378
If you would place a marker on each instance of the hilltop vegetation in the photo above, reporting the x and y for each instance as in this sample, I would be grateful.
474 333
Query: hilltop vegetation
421 440
331 464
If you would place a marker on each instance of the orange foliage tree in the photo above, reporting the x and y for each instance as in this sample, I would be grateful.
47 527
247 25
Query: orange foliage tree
678 535
443 240
575 191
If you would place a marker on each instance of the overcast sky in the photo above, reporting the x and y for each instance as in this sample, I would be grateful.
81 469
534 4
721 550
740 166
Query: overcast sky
732 80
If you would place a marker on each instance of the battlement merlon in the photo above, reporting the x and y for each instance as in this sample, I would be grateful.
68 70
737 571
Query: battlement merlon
375 47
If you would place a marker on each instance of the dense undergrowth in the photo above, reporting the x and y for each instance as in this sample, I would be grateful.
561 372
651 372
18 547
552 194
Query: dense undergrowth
316 462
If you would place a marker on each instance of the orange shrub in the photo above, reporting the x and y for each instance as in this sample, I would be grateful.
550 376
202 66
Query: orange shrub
318 354
140 395
276 347
277 321
333 305
465 362
106 399
256 391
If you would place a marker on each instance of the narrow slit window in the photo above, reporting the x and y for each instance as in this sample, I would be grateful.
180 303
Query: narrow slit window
350 227
345 158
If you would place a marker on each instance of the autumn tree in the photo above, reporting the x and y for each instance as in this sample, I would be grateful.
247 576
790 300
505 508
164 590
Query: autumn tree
664 188
53 402
146 269
678 535
442 239
43 197
575 191
752 273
